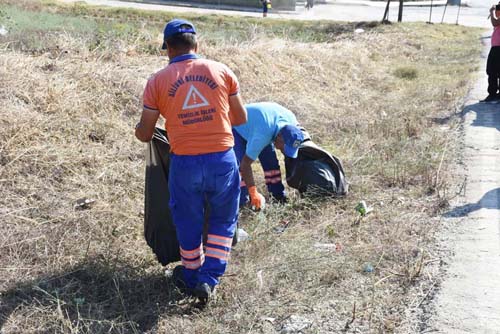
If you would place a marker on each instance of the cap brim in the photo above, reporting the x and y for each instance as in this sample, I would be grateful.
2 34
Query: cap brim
164 46
291 152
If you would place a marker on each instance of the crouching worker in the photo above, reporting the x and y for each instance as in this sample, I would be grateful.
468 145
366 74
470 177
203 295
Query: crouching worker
269 126
199 100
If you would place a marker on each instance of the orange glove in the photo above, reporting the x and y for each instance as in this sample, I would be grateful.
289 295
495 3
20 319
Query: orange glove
256 199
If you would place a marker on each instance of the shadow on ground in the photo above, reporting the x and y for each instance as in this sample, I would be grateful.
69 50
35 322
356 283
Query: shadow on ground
487 114
99 297
490 200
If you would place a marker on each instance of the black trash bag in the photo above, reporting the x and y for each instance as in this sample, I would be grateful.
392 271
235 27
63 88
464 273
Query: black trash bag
315 171
159 229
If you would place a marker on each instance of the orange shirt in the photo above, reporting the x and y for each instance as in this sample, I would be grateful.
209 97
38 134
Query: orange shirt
192 94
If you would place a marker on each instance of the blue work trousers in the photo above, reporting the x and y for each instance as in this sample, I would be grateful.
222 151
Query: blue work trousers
194 181
270 166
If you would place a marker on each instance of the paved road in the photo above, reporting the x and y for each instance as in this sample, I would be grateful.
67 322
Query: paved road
474 14
469 300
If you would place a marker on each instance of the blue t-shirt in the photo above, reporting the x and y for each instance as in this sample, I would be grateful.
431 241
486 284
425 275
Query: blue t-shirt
265 120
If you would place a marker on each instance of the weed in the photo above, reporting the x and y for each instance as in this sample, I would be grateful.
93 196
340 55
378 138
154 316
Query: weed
408 73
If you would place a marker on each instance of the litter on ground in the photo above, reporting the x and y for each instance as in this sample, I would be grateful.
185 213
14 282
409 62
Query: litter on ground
296 324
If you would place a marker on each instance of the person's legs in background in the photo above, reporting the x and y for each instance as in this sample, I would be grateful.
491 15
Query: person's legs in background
496 69
493 72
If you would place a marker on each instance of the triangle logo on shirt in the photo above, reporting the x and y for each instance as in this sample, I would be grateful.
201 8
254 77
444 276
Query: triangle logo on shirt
194 99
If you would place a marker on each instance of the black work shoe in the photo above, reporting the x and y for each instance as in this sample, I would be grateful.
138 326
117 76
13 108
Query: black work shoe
178 280
204 292
490 98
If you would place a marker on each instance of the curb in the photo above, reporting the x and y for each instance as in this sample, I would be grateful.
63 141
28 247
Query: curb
367 3
394 3
204 6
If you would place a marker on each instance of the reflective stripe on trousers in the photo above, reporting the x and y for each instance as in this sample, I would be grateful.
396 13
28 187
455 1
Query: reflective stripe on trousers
193 181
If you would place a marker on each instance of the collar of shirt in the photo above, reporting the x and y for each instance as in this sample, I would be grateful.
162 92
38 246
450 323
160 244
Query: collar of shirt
184 57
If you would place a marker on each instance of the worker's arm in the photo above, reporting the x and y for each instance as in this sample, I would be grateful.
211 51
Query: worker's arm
247 176
145 128
237 112
246 171
495 21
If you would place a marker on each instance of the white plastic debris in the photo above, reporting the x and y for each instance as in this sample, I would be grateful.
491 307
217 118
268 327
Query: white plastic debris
269 319
325 246
368 268
359 31
84 203
3 31
295 324
241 235
260 280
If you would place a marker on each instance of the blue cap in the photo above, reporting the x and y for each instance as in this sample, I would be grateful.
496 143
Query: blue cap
177 26
293 137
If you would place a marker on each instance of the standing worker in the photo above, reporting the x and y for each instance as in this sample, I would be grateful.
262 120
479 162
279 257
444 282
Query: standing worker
200 101
266 5
493 63
269 126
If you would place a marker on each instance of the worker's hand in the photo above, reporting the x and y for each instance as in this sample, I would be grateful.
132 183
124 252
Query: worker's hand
256 199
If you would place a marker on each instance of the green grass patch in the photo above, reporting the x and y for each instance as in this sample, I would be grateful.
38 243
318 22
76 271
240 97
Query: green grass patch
408 73
19 20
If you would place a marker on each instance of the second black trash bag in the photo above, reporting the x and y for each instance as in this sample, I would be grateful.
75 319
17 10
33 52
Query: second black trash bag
316 171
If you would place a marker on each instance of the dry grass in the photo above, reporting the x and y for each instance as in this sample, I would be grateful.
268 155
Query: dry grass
68 109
